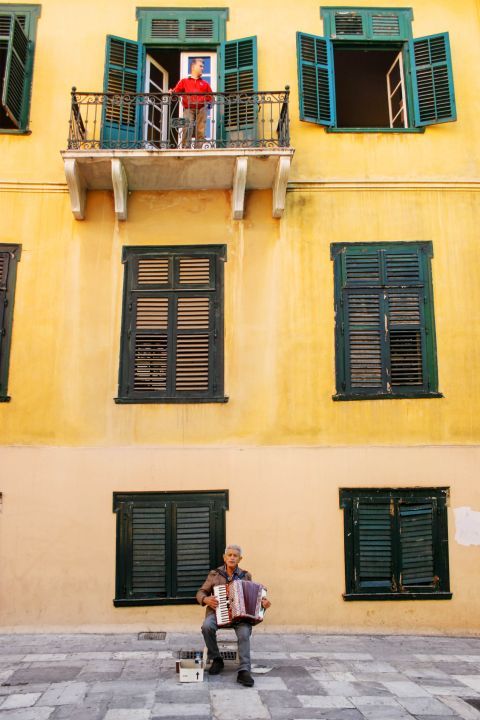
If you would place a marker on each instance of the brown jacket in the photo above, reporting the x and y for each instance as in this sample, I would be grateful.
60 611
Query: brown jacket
218 577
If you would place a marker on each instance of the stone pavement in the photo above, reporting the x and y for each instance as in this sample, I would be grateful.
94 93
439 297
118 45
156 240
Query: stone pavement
304 677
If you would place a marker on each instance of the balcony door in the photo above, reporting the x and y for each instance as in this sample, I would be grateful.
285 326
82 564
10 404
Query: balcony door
210 76
156 112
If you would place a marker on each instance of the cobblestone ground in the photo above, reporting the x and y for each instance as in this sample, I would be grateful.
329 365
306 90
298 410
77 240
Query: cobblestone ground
304 677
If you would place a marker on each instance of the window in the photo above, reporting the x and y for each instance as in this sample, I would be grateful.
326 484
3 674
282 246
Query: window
368 73
385 331
168 41
396 544
9 257
172 328
17 42
166 544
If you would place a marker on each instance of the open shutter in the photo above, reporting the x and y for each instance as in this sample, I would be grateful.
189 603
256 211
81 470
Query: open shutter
238 120
4 263
316 79
434 97
193 546
416 522
373 544
122 113
148 552
16 70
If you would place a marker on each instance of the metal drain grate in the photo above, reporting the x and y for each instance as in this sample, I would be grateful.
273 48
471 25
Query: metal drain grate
474 702
151 636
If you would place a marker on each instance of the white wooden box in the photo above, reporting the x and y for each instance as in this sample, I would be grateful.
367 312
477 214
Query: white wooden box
190 671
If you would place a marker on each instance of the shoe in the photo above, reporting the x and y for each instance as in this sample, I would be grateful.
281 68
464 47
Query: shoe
244 678
216 667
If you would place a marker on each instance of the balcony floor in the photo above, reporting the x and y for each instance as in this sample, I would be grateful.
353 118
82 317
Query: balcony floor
238 169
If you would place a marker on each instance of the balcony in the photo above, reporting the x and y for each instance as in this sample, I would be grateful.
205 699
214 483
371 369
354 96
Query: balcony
147 141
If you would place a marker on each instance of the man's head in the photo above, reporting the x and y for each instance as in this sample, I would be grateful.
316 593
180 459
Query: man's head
196 68
232 557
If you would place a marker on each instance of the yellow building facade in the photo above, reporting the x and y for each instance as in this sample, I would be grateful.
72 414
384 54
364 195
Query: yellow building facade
296 469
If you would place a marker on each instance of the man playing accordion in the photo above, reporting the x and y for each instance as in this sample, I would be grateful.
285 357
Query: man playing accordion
224 574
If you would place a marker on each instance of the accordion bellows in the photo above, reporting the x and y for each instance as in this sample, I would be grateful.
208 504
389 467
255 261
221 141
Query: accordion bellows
240 600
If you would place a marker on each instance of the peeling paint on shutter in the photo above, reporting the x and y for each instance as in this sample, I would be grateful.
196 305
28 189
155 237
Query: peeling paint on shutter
374 545
364 340
148 551
164 28
416 542
198 28
193 547
348 23
405 337
386 25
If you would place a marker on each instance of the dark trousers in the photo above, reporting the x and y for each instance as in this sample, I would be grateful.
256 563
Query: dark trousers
243 632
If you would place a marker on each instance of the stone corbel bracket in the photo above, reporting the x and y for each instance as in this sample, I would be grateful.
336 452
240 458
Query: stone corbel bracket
76 187
238 190
280 182
120 189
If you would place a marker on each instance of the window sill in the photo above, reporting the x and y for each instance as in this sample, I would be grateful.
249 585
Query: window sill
398 596
5 398
387 396
412 130
123 602
171 400
11 131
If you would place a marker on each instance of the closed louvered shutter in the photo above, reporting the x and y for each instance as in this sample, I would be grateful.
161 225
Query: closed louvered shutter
167 542
416 527
148 551
316 79
384 312
15 81
238 117
432 76
350 24
193 534
178 27
173 327
121 113
373 522
365 24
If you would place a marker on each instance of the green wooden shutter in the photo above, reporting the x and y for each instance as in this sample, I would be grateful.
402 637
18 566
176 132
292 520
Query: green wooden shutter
239 75
364 341
4 263
15 82
434 96
193 539
416 528
148 551
172 334
373 544
316 79
122 114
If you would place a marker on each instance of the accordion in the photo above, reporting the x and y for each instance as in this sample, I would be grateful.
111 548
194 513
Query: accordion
239 601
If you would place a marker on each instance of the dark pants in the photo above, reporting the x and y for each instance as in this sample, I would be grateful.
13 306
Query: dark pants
243 631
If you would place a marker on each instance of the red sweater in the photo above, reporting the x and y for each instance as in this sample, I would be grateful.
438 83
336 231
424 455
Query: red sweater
191 85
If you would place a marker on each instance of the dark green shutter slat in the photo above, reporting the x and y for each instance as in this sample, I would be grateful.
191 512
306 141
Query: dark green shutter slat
238 120
349 23
364 340
434 96
406 337
375 569
316 79
193 535
362 266
403 266
15 78
4 264
148 552
123 79
416 540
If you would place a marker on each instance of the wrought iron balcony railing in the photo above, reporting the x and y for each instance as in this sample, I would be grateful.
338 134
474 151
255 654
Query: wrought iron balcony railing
167 121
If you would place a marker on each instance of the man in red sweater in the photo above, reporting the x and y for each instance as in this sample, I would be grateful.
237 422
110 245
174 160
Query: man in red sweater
194 106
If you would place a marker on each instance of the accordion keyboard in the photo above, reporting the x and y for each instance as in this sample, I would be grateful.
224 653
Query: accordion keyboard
221 611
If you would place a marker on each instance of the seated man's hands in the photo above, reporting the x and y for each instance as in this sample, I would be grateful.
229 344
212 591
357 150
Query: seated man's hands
211 601
266 603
